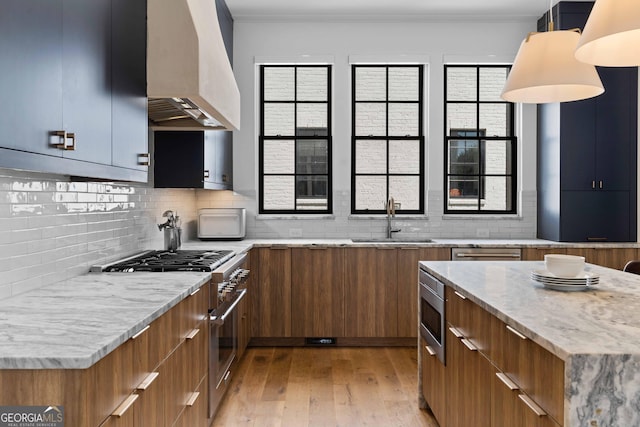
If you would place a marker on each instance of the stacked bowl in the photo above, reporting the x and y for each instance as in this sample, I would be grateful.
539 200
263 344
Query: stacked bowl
565 273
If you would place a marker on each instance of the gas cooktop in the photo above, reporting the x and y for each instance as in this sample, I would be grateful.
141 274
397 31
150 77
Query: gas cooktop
181 260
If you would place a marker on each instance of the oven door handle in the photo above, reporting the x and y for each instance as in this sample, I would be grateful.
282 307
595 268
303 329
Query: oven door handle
219 321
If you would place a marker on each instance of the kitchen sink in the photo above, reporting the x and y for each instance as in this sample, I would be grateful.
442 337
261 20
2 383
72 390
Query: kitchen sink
393 240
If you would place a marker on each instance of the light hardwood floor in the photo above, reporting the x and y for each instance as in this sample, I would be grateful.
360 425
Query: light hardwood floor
320 386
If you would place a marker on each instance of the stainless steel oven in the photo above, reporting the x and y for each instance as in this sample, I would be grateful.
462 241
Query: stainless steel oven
230 281
432 314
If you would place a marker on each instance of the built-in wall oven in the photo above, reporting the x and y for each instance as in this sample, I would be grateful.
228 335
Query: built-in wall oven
230 281
432 314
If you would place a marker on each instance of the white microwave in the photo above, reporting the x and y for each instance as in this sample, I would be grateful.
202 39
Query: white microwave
223 223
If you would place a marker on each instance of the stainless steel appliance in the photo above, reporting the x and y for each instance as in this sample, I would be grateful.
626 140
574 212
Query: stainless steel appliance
432 314
158 261
222 224
230 280
485 254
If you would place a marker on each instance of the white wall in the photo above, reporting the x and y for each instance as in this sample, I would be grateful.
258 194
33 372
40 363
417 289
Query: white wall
384 42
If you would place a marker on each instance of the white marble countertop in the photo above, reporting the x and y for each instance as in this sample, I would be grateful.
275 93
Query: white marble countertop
243 245
596 332
74 323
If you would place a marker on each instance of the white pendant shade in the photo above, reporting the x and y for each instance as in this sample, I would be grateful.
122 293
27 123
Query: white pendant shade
546 70
611 36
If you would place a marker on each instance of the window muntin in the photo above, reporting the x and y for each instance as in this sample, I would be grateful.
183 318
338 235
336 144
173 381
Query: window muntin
480 151
387 138
295 139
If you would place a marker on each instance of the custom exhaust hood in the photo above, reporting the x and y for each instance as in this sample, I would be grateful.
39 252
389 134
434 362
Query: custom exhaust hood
190 83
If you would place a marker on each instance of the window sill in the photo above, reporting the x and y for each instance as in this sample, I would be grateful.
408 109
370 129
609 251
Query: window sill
398 217
315 217
479 216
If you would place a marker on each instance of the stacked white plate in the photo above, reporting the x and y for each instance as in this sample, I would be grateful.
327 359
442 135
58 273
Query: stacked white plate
580 282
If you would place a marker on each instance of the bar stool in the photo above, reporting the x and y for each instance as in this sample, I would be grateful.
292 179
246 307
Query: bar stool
632 267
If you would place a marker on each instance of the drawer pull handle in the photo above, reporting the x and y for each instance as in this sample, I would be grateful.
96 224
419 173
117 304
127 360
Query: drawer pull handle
194 292
148 381
513 331
469 344
124 406
192 399
64 136
460 295
507 381
206 174
532 405
430 350
191 335
456 332
141 332
143 159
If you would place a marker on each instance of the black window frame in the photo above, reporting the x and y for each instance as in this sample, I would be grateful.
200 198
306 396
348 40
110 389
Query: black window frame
480 138
328 137
420 138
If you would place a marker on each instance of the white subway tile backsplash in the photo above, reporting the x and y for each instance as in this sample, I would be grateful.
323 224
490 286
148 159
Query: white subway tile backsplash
52 229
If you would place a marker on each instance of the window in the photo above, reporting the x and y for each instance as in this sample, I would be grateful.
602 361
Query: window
387 138
295 139
480 152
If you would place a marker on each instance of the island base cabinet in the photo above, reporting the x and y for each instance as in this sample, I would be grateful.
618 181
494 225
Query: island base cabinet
509 407
433 383
468 382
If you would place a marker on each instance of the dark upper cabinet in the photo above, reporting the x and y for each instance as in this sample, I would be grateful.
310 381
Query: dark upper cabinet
129 84
192 159
74 66
31 76
587 154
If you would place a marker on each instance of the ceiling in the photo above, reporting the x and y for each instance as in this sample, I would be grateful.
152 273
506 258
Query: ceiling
360 10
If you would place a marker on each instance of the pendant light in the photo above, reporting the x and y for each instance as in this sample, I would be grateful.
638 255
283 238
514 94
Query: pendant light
611 37
546 70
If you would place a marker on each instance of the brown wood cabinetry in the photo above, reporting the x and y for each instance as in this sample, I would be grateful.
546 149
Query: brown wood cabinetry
146 381
271 293
607 257
496 376
323 291
433 382
371 294
408 258
317 292
469 380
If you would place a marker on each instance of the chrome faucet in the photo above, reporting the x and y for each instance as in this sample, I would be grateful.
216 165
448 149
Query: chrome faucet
391 212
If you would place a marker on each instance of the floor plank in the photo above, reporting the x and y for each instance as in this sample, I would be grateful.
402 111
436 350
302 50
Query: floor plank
324 387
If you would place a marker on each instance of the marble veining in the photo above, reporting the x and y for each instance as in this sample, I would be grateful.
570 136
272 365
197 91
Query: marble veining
74 323
595 332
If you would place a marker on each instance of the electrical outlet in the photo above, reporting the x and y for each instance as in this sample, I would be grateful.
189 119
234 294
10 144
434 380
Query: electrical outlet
295 232
482 232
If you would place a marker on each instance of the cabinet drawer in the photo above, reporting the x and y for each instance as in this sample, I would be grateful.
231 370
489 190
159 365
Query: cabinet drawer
468 318
195 413
433 383
535 370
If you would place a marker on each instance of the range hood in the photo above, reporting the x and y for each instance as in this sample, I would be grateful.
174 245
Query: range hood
190 83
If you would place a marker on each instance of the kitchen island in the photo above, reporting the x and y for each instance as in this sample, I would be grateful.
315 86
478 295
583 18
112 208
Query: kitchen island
594 335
